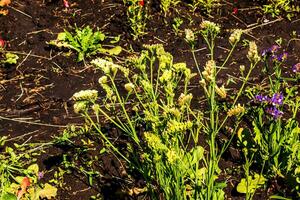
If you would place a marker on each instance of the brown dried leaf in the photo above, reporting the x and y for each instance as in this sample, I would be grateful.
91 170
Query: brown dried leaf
5 2
3 12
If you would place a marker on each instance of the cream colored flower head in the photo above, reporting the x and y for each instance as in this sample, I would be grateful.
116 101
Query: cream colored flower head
85 95
235 36
210 26
253 53
189 35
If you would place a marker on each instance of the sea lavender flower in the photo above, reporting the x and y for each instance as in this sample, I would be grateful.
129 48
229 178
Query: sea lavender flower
296 68
280 58
40 175
277 99
261 98
270 51
274 112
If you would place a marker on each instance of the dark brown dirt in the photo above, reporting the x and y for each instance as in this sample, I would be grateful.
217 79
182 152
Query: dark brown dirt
39 87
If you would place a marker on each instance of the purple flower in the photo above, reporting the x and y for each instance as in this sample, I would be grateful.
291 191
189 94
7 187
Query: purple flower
40 175
296 68
274 112
277 99
261 98
282 57
270 51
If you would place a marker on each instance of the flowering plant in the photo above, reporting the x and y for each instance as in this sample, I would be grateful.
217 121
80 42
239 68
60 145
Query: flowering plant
137 16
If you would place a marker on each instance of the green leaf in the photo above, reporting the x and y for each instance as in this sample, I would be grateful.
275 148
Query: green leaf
10 59
34 168
61 36
8 196
198 153
278 197
115 39
252 185
114 51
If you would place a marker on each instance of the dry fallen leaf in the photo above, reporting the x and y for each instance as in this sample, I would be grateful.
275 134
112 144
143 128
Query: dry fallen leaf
24 184
3 12
4 2
48 192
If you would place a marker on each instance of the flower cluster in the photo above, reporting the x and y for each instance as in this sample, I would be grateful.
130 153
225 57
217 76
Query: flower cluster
236 110
82 99
274 101
296 68
271 53
109 67
209 70
189 35
129 87
273 111
210 26
252 53
235 36
221 91
185 99
85 95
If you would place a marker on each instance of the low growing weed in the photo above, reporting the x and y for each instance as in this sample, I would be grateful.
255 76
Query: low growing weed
85 42
279 7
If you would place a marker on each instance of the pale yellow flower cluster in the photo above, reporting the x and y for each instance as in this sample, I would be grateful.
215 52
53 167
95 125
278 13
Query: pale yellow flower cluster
235 36
129 87
184 99
221 91
209 70
253 53
189 35
207 25
236 110
109 67
85 95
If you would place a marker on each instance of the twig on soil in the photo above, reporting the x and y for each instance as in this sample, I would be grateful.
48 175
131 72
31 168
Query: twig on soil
239 20
223 48
293 39
23 60
160 40
264 24
22 92
20 12
21 136
32 123
38 31
24 54
26 141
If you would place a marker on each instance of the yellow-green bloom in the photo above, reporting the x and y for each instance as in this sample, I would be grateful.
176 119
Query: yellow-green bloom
102 80
185 99
253 53
210 26
129 87
209 70
85 95
189 35
80 106
235 36
172 156
236 110
221 91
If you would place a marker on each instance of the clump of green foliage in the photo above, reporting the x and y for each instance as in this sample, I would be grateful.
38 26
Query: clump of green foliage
206 5
137 17
85 42
9 59
279 7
